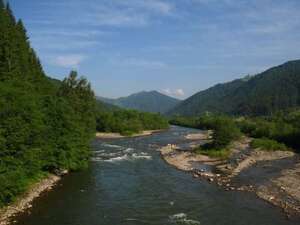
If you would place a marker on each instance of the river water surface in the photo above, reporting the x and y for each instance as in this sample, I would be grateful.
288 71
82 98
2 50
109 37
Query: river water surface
128 183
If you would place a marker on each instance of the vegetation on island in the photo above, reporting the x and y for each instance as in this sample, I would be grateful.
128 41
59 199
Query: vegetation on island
225 132
268 145
129 122
281 131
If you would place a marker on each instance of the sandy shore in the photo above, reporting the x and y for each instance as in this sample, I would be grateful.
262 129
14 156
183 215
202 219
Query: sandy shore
24 202
117 135
273 175
205 135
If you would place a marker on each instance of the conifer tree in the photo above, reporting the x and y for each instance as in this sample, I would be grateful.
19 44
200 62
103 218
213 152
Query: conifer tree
10 13
42 127
2 5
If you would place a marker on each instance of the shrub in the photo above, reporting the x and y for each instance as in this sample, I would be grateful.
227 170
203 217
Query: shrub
225 131
208 150
268 145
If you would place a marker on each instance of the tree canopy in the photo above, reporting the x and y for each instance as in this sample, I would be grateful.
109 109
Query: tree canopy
43 127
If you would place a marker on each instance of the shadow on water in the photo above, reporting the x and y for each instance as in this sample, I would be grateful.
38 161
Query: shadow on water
128 183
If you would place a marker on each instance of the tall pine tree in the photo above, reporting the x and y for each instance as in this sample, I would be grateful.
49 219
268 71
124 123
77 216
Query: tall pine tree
43 128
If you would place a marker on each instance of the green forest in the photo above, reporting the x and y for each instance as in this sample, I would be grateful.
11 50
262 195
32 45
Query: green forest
263 94
43 127
47 125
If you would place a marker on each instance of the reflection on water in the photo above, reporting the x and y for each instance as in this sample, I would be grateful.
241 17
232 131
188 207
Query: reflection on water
128 183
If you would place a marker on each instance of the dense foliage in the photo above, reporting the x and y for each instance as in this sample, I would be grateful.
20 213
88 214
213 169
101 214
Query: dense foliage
224 129
271 133
128 122
283 127
151 101
268 145
275 89
185 121
43 126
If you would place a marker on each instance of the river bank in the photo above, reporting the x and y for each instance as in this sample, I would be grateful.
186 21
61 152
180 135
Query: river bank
104 135
128 181
24 202
273 175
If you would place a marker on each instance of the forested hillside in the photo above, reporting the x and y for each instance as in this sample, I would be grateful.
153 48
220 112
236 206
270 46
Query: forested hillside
151 101
275 89
43 126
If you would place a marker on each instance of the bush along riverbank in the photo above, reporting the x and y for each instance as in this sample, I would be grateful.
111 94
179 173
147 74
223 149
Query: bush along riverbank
241 157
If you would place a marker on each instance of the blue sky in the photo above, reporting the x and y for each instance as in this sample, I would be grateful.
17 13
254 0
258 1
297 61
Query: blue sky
177 47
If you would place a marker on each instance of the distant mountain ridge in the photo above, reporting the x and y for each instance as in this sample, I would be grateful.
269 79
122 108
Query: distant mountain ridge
146 101
275 89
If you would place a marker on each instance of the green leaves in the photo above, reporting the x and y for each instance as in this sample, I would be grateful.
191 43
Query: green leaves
225 131
128 122
44 125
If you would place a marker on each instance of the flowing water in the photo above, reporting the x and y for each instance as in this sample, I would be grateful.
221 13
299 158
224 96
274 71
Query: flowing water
128 183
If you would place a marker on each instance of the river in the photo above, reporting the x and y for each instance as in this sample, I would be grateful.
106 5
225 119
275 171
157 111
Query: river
128 183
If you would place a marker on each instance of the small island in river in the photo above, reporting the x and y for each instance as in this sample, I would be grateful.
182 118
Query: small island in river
273 175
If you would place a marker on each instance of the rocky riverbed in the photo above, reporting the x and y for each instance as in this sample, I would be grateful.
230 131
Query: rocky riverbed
273 175
24 202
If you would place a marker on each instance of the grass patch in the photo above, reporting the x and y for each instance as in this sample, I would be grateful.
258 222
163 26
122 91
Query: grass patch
268 145
212 152
128 133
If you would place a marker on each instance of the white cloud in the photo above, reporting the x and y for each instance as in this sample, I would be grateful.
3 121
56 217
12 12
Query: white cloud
176 93
107 12
154 5
135 62
63 44
115 18
69 33
179 92
69 61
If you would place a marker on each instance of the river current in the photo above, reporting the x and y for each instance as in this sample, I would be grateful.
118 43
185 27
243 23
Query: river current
128 183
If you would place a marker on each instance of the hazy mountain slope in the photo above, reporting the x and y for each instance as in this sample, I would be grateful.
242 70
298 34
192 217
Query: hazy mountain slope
275 89
151 101
104 106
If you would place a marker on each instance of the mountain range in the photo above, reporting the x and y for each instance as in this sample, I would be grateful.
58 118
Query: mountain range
151 101
277 88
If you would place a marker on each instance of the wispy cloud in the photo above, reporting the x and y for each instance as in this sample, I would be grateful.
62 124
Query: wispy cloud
175 93
158 6
66 45
86 24
83 33
138 63
69 61
107 12
189 43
